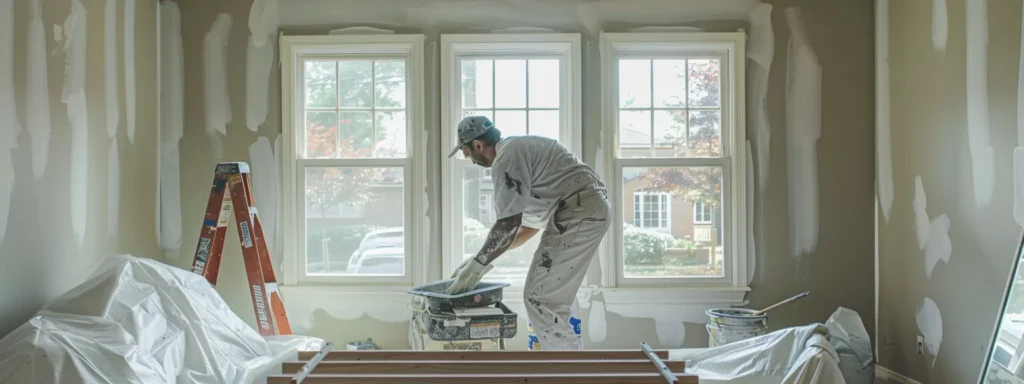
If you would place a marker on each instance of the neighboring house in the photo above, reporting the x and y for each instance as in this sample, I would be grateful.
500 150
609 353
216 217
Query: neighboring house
385 210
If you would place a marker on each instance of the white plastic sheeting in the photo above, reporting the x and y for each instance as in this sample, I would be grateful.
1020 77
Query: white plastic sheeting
140 321
853 345
799 355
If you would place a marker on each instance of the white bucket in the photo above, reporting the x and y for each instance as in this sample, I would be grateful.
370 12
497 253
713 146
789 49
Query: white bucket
727 325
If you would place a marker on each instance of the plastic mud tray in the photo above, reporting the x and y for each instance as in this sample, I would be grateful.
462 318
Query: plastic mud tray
447 326
438 301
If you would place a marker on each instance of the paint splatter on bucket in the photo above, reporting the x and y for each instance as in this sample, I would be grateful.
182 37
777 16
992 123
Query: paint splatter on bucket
728 325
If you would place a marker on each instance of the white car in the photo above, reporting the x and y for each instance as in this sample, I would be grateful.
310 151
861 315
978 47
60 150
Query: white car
381 238
381 261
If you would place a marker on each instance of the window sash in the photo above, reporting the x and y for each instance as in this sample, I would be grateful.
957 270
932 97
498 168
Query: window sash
729 48
295 51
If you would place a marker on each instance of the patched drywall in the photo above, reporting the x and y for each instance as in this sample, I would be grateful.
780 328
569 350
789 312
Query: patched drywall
837 225
76 193
950 240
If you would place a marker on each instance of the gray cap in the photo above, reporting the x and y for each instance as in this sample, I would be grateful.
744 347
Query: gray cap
471 128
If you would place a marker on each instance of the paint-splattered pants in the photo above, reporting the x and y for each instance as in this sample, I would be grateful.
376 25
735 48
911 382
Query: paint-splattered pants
566 249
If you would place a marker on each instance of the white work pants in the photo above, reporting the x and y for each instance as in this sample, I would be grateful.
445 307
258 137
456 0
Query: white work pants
566 249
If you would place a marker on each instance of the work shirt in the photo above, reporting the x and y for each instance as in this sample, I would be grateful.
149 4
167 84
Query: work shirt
532 173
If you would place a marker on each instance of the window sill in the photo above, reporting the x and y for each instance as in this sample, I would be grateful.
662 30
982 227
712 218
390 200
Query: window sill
725 297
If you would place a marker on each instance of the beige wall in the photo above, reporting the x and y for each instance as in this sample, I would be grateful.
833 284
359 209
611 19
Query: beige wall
929 139
40 255
839 271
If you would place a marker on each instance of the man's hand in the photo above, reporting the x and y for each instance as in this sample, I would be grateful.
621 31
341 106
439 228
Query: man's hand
468 276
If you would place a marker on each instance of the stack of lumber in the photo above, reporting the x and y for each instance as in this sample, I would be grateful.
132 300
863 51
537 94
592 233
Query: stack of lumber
639 366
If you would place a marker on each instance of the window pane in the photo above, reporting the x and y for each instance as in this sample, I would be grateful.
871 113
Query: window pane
635 83
511 123
670 133
321 84
513 264
355 219
321 135
634 134
544 123
355 80
477 84
391 133
705 134
705 83
467 113
544 83
667 243
510 83
389 84
356 134
669 83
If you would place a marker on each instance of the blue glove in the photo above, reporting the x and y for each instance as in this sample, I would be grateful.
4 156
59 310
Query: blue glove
467 276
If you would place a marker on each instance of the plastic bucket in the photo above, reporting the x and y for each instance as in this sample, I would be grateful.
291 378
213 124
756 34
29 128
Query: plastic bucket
728 325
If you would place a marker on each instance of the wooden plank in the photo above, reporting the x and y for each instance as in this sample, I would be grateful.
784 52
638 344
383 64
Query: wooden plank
619 354
482 366
523 378
303 371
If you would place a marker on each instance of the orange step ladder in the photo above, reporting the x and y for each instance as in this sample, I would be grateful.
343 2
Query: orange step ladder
232 191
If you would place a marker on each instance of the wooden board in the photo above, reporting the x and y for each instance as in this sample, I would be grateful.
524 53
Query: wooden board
522 378
407 355
482 366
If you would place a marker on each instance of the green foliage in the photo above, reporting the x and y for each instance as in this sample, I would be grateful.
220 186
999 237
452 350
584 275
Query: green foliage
644 247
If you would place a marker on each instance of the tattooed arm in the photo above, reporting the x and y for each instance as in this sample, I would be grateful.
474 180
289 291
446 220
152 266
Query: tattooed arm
503 234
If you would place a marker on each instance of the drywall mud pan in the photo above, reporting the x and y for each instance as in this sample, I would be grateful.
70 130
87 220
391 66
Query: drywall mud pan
448 326
485 294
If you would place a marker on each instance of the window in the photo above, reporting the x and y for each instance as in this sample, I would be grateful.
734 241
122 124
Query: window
651 210
353 105
527 84
701 213
673 111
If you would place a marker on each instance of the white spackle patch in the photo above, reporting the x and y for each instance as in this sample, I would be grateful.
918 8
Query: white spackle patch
9 125
883 146
58 33
215 86
671 332
264 183
751 244
78 115
172 79
803 99
129 68
597 328
75 45
939 248
110 65
929 323
259 61
760 51
982 160
360 31
279 225
940 25
921 222
38 93
113 190
262 21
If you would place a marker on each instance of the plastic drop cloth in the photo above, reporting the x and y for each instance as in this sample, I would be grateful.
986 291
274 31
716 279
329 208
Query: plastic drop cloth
798 355
140 321
853 345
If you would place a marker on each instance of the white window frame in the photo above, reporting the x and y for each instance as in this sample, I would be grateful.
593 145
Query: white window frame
567 46
699 213
641 194
294 49
731 46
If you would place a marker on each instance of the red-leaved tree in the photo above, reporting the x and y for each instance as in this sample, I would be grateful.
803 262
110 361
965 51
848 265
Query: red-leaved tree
328 187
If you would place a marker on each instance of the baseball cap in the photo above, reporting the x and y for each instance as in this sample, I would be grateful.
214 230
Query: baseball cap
470 128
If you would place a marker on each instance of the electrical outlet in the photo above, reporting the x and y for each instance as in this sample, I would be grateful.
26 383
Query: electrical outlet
920 345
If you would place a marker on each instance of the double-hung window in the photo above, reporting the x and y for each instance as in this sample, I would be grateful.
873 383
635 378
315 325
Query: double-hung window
674 124
353 108
526 84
